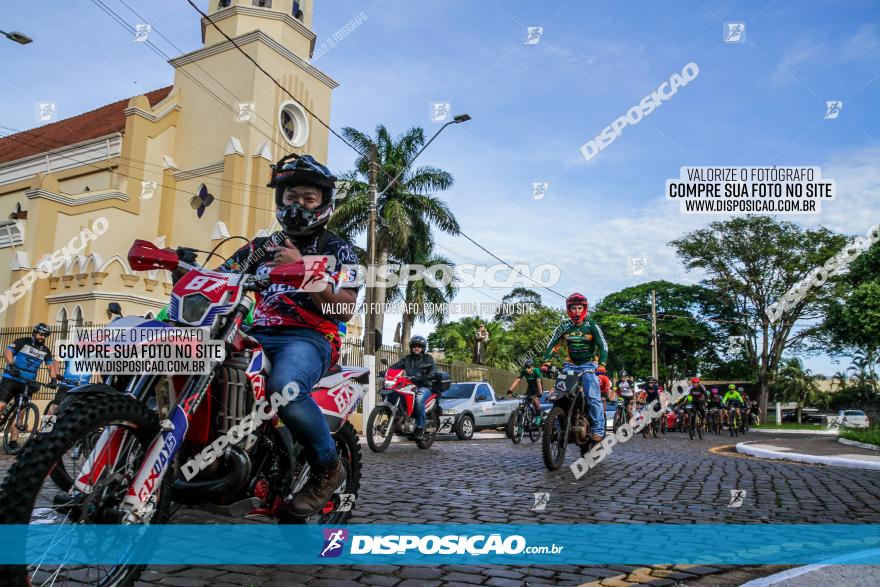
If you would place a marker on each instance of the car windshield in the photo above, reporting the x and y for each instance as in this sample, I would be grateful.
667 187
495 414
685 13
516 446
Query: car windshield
853 413
459 391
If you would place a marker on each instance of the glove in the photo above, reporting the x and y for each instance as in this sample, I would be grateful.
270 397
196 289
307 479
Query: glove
52 384
186 254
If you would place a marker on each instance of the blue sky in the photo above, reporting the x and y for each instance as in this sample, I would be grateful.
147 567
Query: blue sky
761 102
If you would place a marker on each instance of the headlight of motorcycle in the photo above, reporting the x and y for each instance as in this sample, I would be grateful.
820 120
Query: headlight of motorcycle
194 308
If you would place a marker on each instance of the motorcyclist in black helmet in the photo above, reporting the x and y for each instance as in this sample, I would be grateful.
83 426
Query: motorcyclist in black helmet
419 367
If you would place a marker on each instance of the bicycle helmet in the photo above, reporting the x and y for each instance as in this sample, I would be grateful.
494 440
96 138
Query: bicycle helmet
695 380
600 370
574 300
740 389
42 328
529 363
293 170
714 391
731 387
418 340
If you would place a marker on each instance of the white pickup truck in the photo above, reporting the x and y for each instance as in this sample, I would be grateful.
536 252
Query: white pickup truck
472 405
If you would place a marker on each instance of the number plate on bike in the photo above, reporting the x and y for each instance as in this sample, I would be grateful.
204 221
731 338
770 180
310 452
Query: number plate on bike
565 384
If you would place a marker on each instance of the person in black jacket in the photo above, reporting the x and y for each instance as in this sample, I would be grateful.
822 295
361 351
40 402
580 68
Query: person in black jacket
419 367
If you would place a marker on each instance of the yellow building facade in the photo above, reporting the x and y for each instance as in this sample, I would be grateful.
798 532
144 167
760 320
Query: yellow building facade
135 165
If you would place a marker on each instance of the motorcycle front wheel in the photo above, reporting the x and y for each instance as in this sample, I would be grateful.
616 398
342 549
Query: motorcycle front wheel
380 428
555 441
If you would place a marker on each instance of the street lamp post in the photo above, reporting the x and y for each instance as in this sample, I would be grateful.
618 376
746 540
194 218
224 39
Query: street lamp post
20 38
370 346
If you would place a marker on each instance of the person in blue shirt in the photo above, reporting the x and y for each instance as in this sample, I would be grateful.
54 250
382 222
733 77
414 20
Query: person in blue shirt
24 356
69 380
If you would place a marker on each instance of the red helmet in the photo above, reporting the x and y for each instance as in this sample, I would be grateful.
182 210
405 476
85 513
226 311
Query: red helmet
573 300
600 370
695 380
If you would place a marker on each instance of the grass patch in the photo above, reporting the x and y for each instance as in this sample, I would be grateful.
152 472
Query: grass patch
869 436
789 426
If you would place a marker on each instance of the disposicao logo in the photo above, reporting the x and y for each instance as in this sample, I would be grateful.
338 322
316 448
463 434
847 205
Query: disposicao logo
334 540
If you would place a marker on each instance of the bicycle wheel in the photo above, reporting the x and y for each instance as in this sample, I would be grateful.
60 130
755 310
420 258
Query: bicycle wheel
516 426
691 426
535 430
26 420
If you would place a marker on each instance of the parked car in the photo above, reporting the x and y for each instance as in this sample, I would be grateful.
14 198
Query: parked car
472 405
853 419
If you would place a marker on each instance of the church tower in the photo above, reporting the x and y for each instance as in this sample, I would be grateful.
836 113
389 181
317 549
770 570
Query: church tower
235 120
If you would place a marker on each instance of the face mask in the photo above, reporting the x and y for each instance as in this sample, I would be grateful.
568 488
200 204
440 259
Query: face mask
295 219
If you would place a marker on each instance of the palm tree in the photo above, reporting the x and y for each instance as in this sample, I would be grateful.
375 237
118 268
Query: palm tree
407 210
416 293
798 384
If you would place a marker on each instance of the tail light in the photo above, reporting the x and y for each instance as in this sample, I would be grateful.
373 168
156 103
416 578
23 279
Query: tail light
144 255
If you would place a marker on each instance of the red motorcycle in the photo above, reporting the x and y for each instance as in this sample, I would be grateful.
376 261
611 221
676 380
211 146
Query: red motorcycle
395 415
203 439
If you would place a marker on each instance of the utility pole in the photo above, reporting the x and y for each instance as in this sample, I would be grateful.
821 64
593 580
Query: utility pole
370 299
654 371
370 296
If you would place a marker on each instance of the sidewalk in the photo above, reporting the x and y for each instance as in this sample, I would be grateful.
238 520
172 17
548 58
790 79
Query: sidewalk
818 450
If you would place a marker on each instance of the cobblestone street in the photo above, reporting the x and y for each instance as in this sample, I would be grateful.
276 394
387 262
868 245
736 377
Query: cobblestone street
670 480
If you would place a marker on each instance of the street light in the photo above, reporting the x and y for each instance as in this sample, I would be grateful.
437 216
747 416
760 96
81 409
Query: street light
457 119
20 38
370 335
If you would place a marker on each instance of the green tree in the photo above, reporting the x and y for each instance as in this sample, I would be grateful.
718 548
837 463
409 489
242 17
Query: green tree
795 383
753 262
416 293
516 303
689 342
853 316
407 210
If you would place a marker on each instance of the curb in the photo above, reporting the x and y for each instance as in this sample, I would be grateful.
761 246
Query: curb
762 453
806 569
790 431
864 445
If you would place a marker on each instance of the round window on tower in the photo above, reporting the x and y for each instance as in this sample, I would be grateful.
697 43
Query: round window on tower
294 123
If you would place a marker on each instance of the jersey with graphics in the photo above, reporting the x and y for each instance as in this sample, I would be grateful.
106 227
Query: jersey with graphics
732 396
284 306
28 355
531 375
578 343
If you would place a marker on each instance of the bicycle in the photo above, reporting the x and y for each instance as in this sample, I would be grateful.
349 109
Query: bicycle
733 419
713 421
522 420
695 421
23 414
621 415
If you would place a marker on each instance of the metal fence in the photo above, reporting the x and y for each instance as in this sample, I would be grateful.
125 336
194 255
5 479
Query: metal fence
352 353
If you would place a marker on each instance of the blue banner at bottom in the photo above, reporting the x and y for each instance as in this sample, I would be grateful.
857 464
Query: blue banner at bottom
746 544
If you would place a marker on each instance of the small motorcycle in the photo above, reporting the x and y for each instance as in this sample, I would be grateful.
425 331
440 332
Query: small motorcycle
396 415
567 421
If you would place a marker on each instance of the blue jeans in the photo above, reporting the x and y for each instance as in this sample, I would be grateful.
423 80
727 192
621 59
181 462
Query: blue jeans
301 356
595 411
419 405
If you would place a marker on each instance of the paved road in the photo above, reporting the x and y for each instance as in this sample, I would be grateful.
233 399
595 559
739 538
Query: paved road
668 480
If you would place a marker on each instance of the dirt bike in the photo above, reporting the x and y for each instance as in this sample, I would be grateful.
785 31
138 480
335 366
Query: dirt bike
164 425
522 420
395 415
567 421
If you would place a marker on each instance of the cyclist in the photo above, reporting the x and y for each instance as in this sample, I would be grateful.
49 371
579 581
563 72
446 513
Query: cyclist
534 387
581 346
24 356
652 395
419 367
733 398
698 397
604 383
301 329
625 391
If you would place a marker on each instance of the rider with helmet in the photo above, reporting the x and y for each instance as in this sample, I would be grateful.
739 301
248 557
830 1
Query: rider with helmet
698 396
580 345
604 383
625 391
534 386
24 356
296 326
733 398
419 367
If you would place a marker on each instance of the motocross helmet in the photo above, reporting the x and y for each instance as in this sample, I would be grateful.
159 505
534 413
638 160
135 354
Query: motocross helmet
576 299
292 170
418 340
